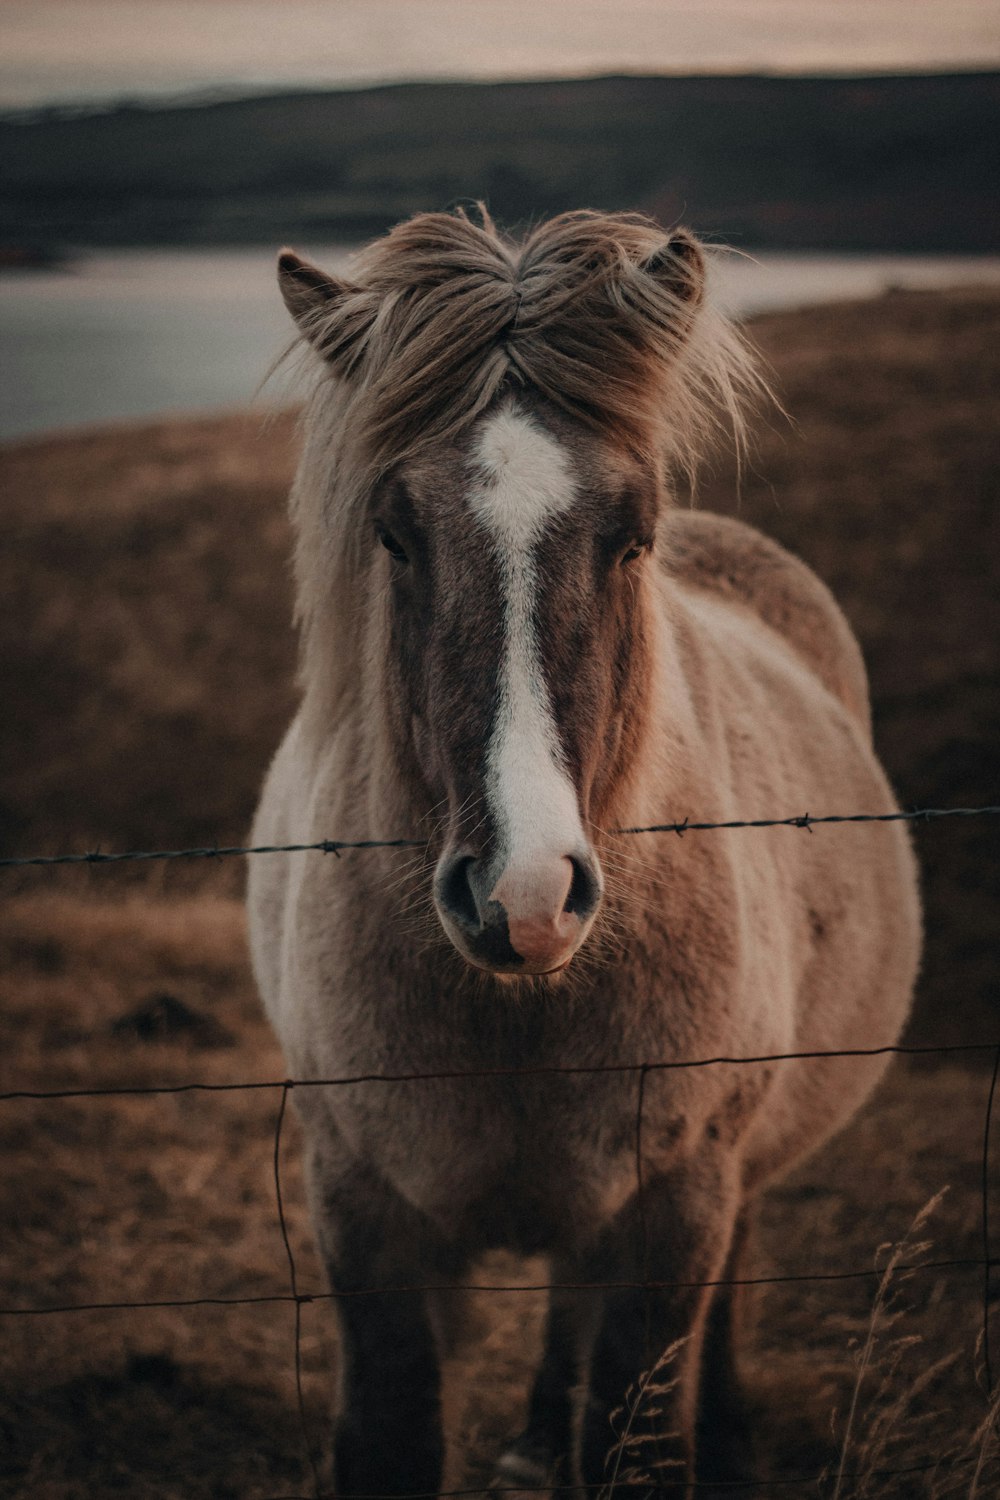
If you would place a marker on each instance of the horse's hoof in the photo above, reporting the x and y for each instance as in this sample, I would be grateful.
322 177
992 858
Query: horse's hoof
532 1470
729 1459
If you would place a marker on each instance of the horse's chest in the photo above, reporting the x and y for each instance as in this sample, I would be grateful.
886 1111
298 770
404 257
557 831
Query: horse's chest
529 1164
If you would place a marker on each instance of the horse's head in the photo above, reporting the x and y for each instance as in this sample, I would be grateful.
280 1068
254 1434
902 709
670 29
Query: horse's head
513 563
511 411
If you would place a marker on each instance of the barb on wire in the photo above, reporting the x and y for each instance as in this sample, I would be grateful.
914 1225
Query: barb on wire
810 821
212 851
807 821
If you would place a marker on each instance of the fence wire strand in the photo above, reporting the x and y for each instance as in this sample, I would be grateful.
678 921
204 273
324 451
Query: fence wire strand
652 1488
265 1299
537 1070
985 1263
987 1252
806 821
294 1297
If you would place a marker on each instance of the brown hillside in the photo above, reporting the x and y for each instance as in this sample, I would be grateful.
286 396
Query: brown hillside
147 653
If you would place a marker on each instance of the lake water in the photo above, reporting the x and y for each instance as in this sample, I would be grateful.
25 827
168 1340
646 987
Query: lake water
133 333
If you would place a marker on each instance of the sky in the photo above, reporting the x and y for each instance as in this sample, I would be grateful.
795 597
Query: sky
62 51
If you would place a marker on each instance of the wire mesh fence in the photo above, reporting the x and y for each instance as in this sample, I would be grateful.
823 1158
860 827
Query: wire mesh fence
283 1088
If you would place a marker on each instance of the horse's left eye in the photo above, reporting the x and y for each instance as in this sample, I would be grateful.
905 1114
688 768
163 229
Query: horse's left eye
633 551
390 543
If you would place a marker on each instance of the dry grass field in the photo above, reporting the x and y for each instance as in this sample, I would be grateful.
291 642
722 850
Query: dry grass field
147 661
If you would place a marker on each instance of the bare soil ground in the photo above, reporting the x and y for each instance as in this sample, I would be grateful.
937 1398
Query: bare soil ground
146 659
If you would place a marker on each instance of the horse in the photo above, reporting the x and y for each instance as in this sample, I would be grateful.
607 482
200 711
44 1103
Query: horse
517 645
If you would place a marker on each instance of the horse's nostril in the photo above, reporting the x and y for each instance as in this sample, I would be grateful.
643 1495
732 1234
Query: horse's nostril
584 890
455 891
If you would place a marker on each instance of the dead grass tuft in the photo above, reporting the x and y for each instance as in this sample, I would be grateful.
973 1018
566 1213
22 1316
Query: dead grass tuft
896 1379
634 1456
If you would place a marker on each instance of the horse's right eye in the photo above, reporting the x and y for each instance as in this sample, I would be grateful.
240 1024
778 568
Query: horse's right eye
389 542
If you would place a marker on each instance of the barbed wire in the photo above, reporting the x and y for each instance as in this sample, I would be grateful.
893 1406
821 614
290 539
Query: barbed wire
297 1299
339 846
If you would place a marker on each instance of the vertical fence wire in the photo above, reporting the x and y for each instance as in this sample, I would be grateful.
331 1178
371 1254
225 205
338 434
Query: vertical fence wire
642 1223
987 1360
294 1285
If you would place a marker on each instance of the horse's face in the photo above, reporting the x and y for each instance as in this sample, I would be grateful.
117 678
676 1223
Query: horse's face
514 568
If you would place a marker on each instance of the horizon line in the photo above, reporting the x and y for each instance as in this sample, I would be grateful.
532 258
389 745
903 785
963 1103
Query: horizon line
202 96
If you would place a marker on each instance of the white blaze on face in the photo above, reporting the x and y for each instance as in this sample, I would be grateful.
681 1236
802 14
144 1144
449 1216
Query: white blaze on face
523 482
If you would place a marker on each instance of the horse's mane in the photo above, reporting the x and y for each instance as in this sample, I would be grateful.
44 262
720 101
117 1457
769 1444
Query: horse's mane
601 314
443 312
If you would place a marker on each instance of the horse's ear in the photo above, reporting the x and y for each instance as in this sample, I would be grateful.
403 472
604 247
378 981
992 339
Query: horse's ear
310 295
679 267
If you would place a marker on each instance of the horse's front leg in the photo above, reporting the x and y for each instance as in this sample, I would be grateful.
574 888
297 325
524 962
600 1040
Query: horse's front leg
646 1337
725 1437
388 1437
541 1454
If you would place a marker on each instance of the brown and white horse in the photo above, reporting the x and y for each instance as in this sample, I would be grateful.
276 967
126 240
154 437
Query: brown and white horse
512 645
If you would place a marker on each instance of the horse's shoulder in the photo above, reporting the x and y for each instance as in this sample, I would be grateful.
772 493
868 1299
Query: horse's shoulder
736 562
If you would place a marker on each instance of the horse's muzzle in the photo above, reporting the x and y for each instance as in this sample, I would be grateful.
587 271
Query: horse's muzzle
530 919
